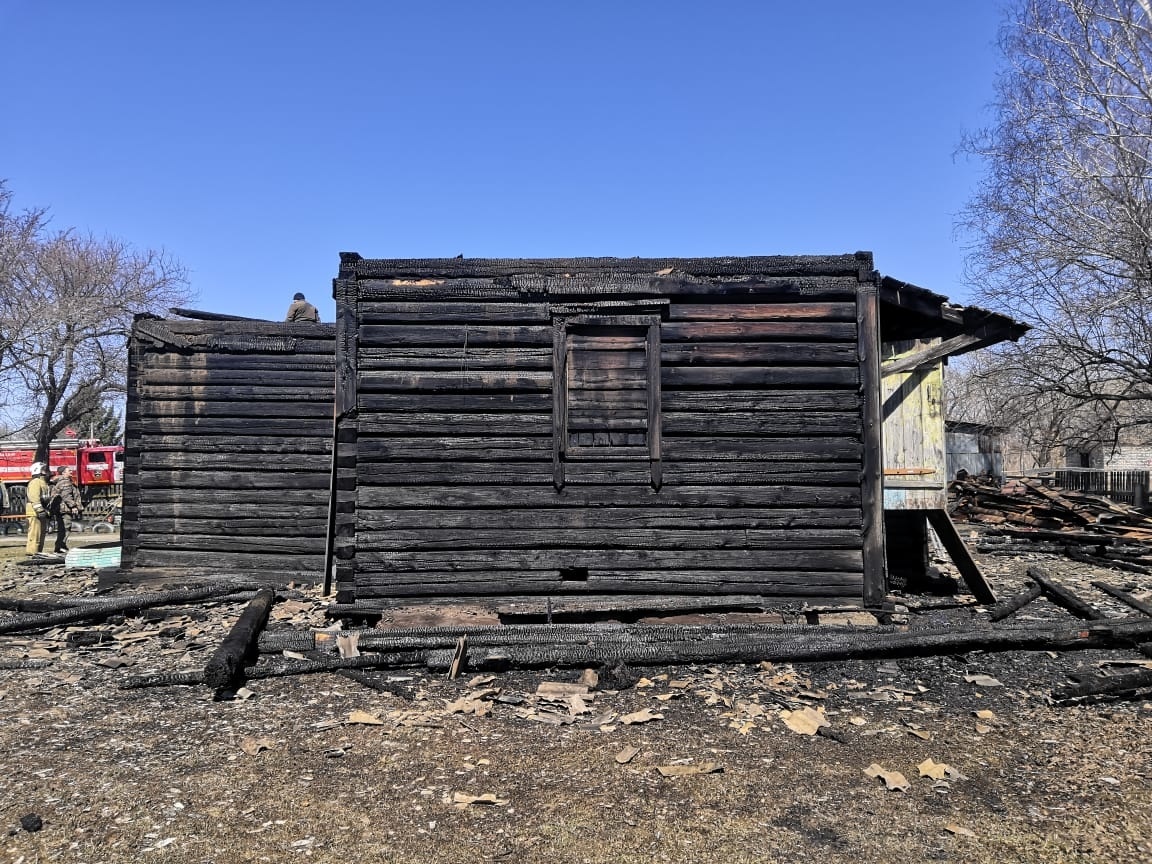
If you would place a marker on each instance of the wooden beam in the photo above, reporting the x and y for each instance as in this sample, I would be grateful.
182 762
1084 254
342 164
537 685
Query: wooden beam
871 475
340 545
559 400
961 557
654 421
931 354
198 315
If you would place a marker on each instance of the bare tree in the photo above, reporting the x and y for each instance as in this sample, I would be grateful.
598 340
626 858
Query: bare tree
20 233
69 307
1062 223
993 387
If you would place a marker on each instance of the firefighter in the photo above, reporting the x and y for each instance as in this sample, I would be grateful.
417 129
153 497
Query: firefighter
302 310
65 502
39 494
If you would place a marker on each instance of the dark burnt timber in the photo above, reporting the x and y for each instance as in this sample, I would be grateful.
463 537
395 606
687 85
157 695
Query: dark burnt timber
102 608
570 645
225 667
1061 596
228 448
1104 685
1124 597
1014 604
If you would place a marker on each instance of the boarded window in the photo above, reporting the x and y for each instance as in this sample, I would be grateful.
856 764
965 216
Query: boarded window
607 378
606 389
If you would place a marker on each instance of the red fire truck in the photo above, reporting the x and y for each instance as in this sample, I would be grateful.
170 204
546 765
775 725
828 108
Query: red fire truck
99 470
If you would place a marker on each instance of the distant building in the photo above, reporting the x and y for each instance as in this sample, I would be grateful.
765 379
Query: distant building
976 448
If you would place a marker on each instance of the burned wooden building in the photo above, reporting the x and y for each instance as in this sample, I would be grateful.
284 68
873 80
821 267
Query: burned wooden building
228 442
625 428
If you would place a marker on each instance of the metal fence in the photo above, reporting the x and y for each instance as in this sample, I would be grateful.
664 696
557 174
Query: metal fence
1129 487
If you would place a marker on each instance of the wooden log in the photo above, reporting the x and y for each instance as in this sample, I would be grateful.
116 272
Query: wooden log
455 402
481 335
247 327
478 312
320 360
760 423
1124 597
593 646
236 482
700 518
450 496
216 497
758 353
1077 554
762 376
195 426
471 358
717 583
102 608
724 331
433 538
1104 685
271 376
228 406
287 525
1061 596
809 647
449 381
787 399
168 460
1015 603
763 312
603 473
210 392
266 566
225 667
611 559
238 543
249 441
830 448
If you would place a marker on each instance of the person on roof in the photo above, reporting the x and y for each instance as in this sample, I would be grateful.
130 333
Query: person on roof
302 310
36 509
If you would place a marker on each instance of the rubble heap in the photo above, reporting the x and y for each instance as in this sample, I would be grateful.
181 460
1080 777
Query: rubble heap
1024 515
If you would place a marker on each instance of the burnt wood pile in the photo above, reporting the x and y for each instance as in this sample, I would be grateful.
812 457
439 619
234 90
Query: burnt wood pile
1025 515
228 447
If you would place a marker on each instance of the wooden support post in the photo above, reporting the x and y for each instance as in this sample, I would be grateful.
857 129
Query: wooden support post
130 495
340 560
559 399
961 557
871 475
654 431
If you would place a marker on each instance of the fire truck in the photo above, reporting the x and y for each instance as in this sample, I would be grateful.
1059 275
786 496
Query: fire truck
99 472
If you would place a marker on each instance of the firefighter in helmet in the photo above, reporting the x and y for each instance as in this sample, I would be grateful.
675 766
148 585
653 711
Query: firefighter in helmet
36 509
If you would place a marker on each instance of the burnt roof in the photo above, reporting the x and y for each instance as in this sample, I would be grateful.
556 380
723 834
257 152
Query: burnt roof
908 311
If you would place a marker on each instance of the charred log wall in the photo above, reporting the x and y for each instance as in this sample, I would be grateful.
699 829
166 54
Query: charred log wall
613 426
228 442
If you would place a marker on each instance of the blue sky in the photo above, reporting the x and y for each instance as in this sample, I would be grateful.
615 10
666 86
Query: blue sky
254 141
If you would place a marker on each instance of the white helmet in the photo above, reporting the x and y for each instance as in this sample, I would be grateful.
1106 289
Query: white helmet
37 468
